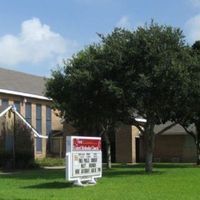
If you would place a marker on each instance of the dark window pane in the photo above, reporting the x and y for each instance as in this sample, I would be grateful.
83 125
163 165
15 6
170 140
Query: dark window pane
39 127
48 120
4 103
28 113
48 113
9 142
38 111
48 127
38 144
17 106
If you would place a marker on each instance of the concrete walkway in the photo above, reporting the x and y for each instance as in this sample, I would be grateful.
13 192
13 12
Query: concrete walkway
54 167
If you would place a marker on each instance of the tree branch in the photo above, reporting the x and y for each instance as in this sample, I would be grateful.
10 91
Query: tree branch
190 133
166 128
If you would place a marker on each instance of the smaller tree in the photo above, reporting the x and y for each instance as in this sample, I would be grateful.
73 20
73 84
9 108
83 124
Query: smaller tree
188 109
21 153
86 97
24 144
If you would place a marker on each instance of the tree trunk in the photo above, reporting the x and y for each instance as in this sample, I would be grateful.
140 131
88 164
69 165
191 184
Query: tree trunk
108 150
149 147
198 153
197 143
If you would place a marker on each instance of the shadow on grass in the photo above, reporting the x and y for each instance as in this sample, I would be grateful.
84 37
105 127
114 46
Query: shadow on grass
156 165
50 185
113 174
173 165
116 171
46 174
139 169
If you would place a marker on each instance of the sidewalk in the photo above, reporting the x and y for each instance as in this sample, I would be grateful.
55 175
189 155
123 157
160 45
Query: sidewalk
54 167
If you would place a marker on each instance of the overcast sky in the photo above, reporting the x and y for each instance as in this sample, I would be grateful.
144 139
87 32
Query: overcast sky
35 35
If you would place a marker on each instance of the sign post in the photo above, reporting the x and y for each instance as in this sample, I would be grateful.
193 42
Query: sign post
83 159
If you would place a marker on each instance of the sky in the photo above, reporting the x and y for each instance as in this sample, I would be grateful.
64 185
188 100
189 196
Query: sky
36 35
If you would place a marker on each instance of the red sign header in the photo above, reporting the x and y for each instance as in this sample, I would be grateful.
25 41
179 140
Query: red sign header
80 144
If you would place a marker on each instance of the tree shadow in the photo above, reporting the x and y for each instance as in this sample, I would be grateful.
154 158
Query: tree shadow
116 173
50 185
156 165
138 169
46 174
173 165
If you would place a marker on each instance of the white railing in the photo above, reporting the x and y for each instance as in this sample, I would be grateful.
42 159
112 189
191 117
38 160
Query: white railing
13 109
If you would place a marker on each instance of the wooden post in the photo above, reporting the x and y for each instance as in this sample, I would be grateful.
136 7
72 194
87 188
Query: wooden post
60 147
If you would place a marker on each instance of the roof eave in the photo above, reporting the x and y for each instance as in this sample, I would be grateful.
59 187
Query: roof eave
29 95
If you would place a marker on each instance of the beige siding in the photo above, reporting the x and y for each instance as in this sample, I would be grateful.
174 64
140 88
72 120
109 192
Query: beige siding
174 148
56 121
124 144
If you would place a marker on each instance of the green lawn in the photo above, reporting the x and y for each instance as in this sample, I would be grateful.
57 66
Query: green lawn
173 182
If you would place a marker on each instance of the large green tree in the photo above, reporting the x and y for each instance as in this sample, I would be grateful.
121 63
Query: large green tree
128 74
151 65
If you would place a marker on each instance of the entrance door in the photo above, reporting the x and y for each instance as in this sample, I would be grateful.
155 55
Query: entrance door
137 145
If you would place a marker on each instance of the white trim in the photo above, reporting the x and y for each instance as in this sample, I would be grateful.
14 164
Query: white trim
24 94
13 109
29 125
140 120
5 111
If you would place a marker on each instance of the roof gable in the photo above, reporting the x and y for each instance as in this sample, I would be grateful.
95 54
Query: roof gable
21 82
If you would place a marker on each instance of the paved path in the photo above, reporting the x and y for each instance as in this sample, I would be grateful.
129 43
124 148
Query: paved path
54 167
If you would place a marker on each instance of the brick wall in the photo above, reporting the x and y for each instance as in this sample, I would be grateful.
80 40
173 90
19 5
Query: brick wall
174 148
124 144
56 123
168 148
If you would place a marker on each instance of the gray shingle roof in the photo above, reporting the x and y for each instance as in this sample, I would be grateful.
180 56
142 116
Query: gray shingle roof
175 130
21 82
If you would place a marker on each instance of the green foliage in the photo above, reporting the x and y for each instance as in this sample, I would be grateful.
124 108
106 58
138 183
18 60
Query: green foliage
196 46
24 141
129 73
187 112
24 148
87 97
151 67
140 71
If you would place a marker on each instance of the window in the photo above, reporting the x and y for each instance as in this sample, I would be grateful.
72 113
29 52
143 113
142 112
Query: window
17 105
28 113
9 142
4 103
48 120
39 127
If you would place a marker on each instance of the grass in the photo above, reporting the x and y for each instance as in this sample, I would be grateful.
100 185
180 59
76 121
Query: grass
50 162
169 181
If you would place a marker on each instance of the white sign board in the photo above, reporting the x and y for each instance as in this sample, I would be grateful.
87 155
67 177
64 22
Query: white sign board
83 158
